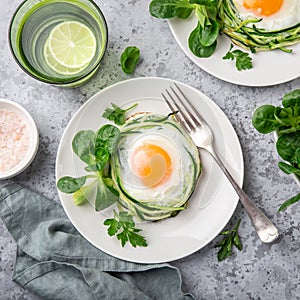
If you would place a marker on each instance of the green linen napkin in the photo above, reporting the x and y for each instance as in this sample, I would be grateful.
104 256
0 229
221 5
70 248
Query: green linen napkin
55 262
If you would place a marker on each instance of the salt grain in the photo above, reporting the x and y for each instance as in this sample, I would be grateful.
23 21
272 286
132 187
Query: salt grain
14 139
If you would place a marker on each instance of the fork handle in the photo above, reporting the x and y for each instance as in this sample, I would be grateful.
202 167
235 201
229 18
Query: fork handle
265 229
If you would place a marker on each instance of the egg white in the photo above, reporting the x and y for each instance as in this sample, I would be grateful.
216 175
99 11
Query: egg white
287 16
183 155
161 141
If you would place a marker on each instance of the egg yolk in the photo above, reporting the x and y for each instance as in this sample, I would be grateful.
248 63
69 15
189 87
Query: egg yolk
263 7
151 164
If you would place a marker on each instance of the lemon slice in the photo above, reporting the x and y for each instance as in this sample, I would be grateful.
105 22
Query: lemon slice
72 44
57 67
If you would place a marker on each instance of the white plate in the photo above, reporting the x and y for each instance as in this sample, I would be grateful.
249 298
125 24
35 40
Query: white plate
212 204
269 67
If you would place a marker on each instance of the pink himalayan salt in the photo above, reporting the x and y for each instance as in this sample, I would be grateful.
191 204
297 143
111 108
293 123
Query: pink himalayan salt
14 139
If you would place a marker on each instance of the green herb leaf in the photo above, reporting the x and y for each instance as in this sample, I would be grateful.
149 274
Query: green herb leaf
106 142
117 114
209 33
289 202
203 39
237 241
70 185
242 59
202 2
196 45
102 157
291 99
287 146
229 55
108 137
113 226
284 116
230 238
286 121
263 119
288 169
104 197
83 194
129 59
123 226
165 9
83 145
109 183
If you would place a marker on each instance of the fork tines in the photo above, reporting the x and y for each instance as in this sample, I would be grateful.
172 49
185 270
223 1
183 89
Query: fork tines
177 101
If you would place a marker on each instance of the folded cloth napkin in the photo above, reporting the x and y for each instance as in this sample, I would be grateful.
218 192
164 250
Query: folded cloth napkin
55 262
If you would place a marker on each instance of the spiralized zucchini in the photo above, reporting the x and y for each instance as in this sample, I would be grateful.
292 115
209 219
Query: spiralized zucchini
152 203
245 34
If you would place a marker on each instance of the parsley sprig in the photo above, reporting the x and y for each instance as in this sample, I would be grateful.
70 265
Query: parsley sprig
123 226
289 202
242 59
117 114
231 238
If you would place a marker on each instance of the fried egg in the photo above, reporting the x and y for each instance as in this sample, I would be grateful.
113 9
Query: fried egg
156 166
274 14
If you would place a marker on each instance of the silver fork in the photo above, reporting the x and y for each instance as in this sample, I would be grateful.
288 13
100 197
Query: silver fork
201 134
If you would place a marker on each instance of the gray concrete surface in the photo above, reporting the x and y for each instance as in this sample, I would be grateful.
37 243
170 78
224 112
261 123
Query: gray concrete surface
259 271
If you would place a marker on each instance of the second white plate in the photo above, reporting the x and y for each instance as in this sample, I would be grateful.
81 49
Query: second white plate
269 67
210 207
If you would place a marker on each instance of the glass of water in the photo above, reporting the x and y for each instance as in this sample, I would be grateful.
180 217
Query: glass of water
60 42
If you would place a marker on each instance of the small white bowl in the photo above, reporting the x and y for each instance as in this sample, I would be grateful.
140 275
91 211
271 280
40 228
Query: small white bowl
33 135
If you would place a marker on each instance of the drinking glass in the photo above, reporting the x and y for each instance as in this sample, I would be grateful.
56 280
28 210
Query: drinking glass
60 42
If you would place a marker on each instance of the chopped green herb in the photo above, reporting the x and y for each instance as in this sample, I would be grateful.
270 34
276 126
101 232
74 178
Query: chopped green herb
123 226
231 238
242 59
117 114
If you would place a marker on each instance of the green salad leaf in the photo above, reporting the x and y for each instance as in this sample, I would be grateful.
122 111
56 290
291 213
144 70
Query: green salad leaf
230 239
196 45
288 147
165 9
264 119
107 138
202 40
95 150
70 185
129 59
83 194
105 196
83 145
288 169
285 120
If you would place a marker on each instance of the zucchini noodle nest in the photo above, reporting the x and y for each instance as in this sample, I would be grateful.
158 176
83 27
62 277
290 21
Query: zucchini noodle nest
245 34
